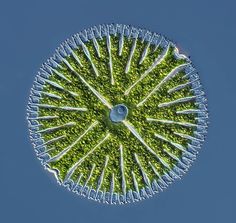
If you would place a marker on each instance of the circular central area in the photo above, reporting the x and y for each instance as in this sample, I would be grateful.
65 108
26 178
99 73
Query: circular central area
118 113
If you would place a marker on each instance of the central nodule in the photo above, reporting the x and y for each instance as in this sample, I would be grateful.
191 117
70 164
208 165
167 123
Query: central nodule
118 113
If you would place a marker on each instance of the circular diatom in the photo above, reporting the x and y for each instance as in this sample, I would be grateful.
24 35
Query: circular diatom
117 114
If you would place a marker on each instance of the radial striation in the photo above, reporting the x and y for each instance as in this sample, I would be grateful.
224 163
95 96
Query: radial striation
117 114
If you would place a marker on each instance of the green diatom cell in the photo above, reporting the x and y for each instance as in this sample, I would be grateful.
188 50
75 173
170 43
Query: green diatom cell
117 114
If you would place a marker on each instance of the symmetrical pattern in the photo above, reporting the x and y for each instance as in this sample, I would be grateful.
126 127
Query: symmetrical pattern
117 114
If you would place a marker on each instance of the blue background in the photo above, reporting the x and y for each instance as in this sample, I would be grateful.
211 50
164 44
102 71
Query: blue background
29 33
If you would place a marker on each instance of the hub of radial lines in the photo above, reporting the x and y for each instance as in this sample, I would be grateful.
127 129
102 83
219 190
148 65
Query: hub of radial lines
118 113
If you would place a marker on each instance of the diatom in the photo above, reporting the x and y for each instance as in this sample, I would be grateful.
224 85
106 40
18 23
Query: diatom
117 114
